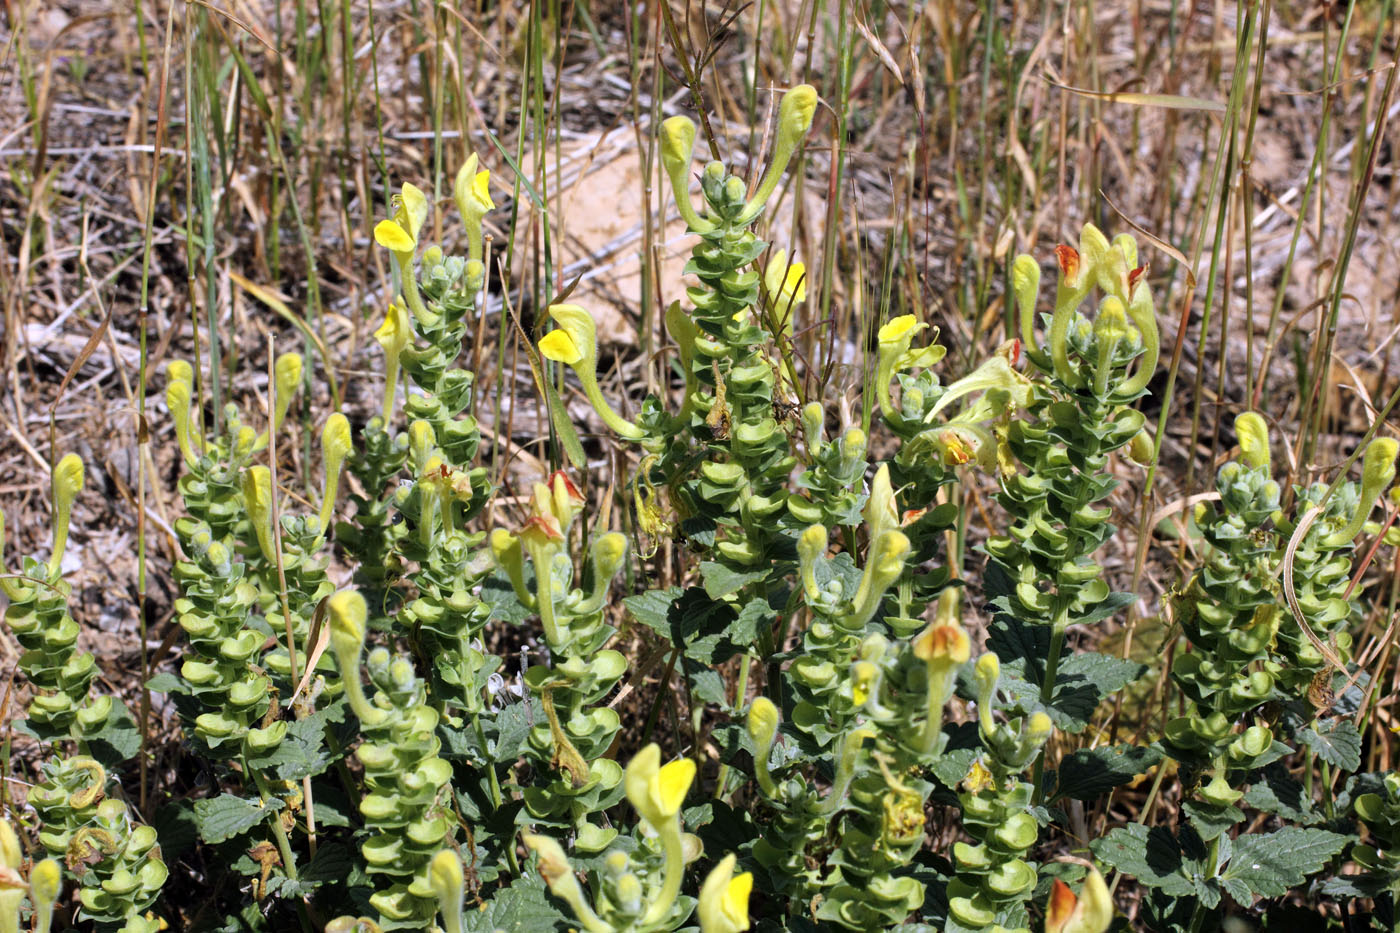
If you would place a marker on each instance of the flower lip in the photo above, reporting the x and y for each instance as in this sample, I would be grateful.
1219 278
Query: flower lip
670 785
541 529
481 188
1068 258
946 644
735 901
898 327
1135 276
558 346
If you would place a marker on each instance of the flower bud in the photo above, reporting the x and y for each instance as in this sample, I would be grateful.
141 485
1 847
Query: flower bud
45 884
178 396
257 502
1140 448
794 120
559 875
11 853
677 150
1377 472
394 336
609 551
1253 434
422 443
67 482
335 447
881 514
811 549
1025 286
813 420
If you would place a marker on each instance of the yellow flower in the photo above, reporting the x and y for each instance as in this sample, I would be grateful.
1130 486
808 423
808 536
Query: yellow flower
724 899
786 284
978 778
399 234
575 344
472 192
655 790
899 331
943 645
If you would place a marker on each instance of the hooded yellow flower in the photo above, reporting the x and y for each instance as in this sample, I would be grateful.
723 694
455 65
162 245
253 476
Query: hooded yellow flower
399 234
724 899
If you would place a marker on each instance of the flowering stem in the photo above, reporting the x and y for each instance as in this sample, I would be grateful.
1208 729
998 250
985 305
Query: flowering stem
673 857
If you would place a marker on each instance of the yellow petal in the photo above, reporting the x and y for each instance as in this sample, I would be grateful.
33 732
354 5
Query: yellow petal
735 902
415 206
481 189
671 784
393 335
795 284
899 327
391 236
557 345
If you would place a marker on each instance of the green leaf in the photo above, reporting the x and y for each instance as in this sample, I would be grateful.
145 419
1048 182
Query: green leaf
1211 821
722 580
1156 859
1274 791
1081 684
1339 745
166 682
520 908
1268 865
225 816
497 592
118 739
563 426
1090 772
303 753
653 609
513 724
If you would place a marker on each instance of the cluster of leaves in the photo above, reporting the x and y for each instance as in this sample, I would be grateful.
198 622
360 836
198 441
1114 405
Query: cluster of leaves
370 763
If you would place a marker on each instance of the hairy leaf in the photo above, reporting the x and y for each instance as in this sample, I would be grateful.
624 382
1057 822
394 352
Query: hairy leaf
1338 744
1090 772
1271 864
521 907
225 816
